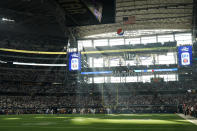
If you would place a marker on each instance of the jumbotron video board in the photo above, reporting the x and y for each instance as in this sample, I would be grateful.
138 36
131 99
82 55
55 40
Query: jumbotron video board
185 55
74 61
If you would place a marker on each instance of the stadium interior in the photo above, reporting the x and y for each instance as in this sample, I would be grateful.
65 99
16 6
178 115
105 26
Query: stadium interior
112 57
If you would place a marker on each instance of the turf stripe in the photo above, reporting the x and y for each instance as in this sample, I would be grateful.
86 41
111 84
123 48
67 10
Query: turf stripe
89 127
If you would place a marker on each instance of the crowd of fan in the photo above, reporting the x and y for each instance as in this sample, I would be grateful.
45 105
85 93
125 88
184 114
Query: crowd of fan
173 85
34 44
189 108
32 75
124 103
26 87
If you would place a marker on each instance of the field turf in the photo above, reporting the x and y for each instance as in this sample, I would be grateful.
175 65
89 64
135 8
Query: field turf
113 122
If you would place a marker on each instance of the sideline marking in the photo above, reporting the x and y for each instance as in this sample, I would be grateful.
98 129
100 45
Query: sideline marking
188 118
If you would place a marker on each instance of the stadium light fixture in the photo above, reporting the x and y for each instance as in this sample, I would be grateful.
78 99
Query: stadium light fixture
7 20
4 62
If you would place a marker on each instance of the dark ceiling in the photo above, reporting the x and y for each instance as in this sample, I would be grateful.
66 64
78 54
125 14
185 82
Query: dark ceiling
78 13
31 16
37 16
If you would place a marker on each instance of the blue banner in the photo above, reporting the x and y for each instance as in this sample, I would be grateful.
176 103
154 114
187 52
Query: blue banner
156 70
74 61
168 70
185 55
96 72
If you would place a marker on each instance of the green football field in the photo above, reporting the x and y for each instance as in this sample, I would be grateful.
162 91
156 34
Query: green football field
113 122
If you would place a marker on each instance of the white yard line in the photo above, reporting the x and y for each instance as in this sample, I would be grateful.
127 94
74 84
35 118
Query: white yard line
189 118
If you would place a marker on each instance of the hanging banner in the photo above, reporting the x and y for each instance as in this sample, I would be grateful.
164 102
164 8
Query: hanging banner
185 55
95 8
74 61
